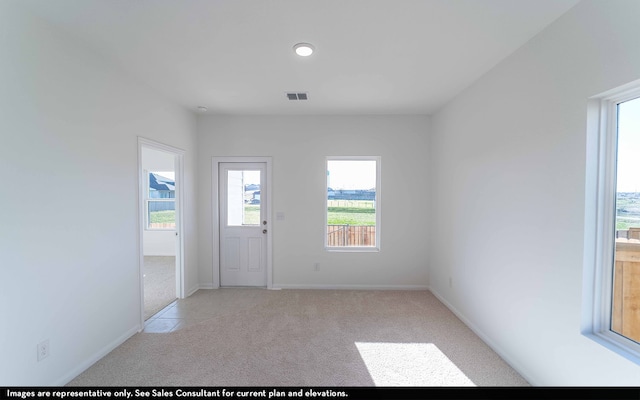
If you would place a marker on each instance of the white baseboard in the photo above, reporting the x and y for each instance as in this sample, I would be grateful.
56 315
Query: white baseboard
485 338
207 286
193 290
350 287
71 375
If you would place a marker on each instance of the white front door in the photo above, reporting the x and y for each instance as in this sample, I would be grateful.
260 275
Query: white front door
243 224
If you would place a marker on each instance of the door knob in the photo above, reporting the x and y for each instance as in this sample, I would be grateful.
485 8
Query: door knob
264 231
264 222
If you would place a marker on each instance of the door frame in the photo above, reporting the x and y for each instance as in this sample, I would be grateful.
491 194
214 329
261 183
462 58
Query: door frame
215 212
179 179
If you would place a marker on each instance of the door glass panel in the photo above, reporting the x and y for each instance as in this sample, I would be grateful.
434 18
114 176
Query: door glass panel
243 198
625 313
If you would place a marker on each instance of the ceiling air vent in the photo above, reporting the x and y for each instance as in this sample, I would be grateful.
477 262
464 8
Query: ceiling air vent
297 96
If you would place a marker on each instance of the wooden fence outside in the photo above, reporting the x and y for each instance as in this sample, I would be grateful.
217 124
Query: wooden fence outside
162 225
351 235
625 317
161 205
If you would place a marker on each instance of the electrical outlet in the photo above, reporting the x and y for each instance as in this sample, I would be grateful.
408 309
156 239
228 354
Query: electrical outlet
316 266
43 350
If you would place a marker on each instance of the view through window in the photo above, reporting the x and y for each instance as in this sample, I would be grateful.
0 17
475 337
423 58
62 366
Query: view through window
625 314
161 200
352 203
243 197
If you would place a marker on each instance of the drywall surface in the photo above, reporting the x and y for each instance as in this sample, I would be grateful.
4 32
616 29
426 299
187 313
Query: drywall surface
299 146
507 190
159 242
69 123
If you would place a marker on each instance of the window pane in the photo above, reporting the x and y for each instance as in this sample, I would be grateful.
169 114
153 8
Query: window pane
162 185
625 316
161 214
243 198
351 203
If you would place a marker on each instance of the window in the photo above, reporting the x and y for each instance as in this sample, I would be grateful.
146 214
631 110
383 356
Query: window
612 222
353 204
243 197
160 201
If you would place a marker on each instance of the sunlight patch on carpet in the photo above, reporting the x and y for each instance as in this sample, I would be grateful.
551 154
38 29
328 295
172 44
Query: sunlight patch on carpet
410 364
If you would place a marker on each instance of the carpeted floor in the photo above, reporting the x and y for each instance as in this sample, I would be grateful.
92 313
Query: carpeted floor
159 283
258 337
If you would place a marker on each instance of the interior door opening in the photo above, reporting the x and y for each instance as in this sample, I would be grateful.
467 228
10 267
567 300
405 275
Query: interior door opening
161 258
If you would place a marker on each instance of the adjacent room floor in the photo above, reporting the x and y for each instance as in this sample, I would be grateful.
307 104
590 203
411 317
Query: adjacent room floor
258 337
159 283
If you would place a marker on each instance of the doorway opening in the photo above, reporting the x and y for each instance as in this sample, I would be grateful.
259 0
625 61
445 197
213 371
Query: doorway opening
160 177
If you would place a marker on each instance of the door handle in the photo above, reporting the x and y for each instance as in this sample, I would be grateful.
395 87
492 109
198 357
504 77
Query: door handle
264 231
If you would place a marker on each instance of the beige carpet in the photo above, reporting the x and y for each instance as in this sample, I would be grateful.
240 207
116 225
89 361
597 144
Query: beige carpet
257 337
159 283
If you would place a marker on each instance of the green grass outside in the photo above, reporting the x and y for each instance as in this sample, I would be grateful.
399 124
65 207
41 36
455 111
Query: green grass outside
627 210
252 215
351 212
624 224
336 215
351 216
162 217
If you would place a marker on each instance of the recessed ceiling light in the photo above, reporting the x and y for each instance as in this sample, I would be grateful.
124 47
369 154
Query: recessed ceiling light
202 109
303 49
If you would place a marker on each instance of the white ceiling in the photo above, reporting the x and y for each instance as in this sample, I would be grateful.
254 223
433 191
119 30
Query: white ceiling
372 56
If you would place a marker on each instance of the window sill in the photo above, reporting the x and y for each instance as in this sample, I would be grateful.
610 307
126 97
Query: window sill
353 249
617 343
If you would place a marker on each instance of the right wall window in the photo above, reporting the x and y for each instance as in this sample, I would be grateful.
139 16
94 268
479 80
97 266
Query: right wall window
625 315
612 221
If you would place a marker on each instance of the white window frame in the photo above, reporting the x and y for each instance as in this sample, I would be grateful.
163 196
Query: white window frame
378 203
600 216
148 199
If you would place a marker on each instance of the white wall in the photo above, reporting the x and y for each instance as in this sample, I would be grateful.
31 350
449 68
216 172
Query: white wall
507 180
69 262
299 146
158 242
